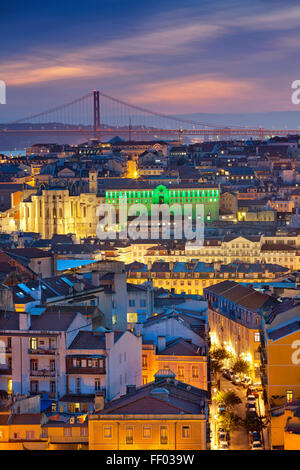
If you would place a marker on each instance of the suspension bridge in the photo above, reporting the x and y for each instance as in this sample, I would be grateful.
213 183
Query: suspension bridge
98 115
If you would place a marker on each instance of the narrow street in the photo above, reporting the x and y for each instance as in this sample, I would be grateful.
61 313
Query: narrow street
239 439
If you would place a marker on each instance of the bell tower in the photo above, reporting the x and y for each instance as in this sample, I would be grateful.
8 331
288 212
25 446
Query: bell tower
93 181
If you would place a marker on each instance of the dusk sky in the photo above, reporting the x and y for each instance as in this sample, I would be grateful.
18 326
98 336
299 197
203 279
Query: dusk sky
168 55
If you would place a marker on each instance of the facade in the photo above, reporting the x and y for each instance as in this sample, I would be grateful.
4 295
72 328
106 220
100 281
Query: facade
280 353
174 194
193 277
164 415
235 317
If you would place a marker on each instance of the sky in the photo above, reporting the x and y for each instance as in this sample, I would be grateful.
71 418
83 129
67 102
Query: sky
171 56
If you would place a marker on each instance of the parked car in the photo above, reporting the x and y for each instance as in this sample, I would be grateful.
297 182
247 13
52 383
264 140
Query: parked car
252 391
256 445
224 445
226 373
236 380
254 436
224 436
251 399
246 382
251 406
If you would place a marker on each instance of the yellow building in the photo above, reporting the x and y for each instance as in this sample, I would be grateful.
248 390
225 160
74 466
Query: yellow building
72 435
281 355
193 277
22 431
181 357
165 415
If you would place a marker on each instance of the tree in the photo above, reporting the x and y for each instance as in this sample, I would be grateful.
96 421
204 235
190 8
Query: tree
228 398
216 366
254 423
229 421
220 354
240 367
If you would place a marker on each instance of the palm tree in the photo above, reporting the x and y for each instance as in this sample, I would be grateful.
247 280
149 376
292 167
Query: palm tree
240 367
254 423
228 398
229 421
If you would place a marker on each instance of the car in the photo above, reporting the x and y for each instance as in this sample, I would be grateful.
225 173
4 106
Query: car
224 445
251 399
251 406
226 374
256 445
255 436
221 409
252 391
224 436
236 380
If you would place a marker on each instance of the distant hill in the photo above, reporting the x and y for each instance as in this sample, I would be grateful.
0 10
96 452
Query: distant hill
271 120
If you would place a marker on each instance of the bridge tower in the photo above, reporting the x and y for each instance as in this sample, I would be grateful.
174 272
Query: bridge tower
96 112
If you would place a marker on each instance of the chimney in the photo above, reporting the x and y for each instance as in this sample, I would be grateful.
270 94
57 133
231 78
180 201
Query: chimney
161 343
109 339
99 401
96 278
24 321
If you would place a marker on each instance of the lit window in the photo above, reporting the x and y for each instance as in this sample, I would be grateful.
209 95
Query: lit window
107 432
289 396
186 431
147 432
257 337
129 435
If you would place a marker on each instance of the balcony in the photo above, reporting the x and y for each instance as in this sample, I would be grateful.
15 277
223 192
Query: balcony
42 351
42 373
85 370
5 371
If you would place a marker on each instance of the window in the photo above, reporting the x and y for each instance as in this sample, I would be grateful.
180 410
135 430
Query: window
180 371
289 396
131 303
145 380
34 386
97 385
144 361
163 435
78 385
129 435
16 435
52 365
84 431
67 432
142 303
147 432
107 432
29 435
52 387
84 407
257 337
195 372
33 364
33 343
186 431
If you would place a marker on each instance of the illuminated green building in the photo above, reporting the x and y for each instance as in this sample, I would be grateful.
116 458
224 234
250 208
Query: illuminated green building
136 192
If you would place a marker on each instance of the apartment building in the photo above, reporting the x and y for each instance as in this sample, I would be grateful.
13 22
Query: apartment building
235 316
164 415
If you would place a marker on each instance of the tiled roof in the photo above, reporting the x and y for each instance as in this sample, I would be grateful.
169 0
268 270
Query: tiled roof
52 321
88 340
